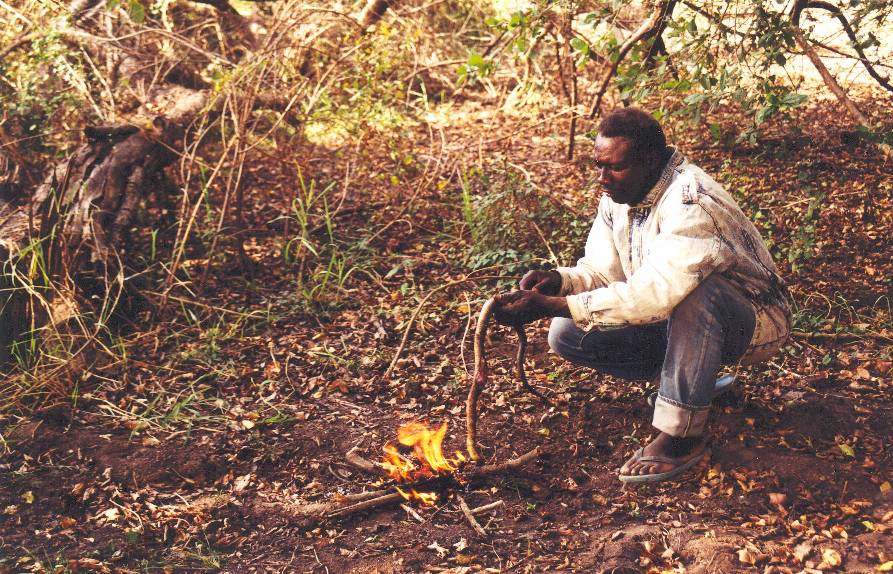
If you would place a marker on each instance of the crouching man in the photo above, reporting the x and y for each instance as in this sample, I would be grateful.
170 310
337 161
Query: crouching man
675 282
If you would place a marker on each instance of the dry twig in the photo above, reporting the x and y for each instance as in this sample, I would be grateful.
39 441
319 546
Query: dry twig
469 516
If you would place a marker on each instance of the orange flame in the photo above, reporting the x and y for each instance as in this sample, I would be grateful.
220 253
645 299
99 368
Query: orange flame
427 448
428 498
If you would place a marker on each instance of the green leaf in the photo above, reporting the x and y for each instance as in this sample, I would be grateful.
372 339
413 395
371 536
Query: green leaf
793 99
715 131
517 19
846 449
475 60
765 113
692 27
136 11
579 45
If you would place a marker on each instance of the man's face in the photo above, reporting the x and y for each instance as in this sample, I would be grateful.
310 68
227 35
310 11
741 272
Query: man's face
624 177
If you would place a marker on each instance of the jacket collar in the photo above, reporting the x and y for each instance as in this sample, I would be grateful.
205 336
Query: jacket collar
666 178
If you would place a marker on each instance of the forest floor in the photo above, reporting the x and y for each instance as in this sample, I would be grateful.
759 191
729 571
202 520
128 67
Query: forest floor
192 452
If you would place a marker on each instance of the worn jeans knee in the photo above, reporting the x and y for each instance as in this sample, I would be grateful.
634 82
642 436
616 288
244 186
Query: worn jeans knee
633 352
564 336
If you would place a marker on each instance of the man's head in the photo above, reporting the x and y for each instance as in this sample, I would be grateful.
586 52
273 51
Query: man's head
630 153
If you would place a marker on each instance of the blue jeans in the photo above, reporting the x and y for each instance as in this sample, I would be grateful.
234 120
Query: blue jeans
711 327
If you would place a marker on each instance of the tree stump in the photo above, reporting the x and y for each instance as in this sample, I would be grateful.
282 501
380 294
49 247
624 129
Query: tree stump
62 249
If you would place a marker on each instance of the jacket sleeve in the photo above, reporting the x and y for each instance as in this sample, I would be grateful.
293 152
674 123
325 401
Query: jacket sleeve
600 264
686 250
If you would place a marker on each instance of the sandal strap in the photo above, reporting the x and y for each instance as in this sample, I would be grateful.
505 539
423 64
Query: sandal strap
666 459
675 461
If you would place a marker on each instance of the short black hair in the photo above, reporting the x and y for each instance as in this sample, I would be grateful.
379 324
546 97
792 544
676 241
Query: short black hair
638 126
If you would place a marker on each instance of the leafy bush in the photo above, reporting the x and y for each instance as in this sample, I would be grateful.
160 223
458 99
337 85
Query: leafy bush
512 223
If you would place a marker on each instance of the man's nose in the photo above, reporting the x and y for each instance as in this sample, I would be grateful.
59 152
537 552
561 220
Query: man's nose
603 175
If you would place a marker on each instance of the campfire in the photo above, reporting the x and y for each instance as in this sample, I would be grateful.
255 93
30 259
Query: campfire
427 446
415 467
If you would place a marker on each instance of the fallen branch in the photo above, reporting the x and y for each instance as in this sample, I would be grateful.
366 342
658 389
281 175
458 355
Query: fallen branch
362 495
412 513
511 464
841 336
377 498
484 508
364 505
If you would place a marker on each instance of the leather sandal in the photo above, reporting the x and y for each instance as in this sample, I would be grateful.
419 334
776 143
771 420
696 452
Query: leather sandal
681 465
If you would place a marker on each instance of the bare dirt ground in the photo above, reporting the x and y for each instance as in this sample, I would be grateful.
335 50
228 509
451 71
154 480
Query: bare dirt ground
194 452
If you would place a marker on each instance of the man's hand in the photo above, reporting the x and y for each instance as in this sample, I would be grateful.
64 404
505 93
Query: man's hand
545 282
522 307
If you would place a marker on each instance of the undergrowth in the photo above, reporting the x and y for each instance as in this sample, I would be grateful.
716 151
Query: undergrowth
511 224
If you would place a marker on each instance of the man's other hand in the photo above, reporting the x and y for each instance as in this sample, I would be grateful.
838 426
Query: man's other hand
544 282
522 307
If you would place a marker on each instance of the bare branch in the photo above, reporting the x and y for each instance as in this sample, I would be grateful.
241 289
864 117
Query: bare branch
799 7
646 30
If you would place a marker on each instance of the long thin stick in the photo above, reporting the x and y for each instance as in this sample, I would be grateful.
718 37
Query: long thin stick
477 381
363 495
511 464
486 507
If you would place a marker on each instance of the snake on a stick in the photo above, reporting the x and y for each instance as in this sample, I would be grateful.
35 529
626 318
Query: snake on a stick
481 374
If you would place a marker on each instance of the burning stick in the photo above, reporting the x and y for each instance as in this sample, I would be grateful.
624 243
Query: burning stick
377 498
481 373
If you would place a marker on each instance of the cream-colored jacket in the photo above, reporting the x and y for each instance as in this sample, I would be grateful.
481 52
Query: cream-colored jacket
642 260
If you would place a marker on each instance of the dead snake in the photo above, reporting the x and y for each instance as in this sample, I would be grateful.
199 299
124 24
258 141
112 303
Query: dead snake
481 373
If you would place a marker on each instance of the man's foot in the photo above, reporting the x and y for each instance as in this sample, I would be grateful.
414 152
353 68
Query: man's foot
663 458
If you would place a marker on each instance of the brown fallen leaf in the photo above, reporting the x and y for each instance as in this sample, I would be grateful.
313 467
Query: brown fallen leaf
777 498
745 556
830 559
802 552
67 522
